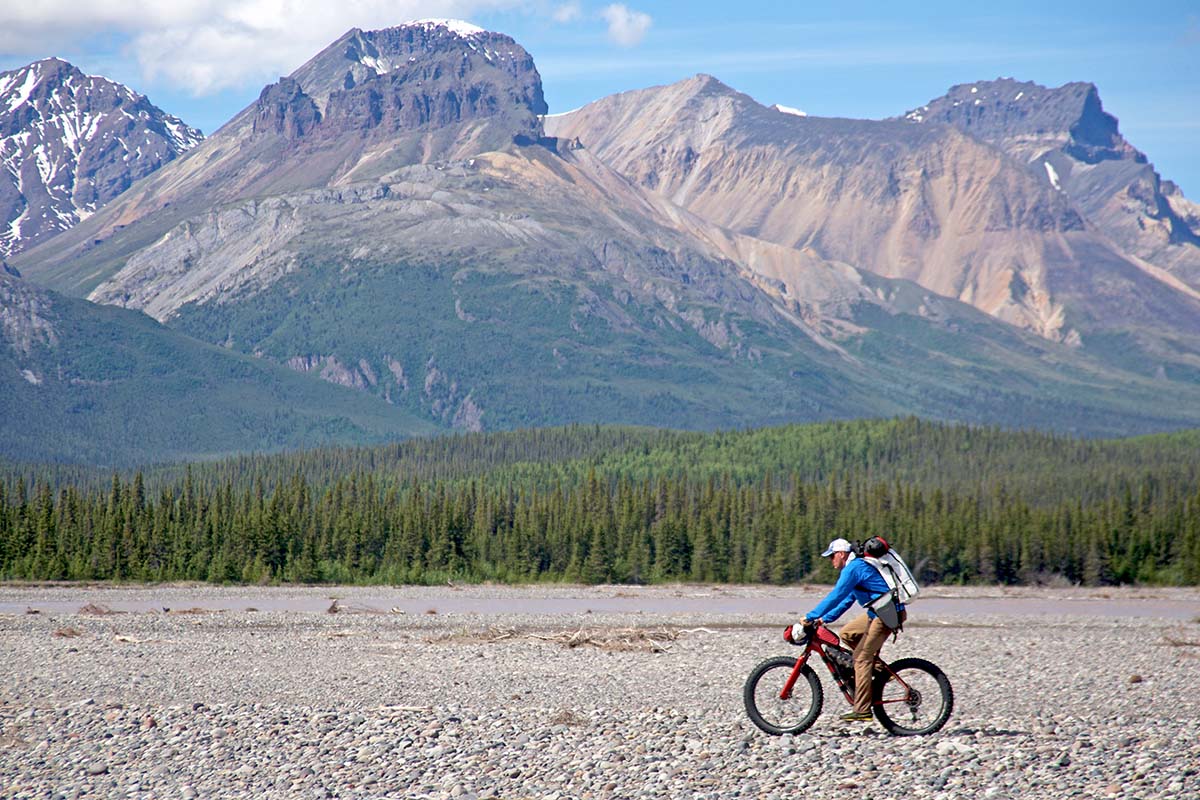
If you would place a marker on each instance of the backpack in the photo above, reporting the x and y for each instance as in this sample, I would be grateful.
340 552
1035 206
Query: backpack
891 567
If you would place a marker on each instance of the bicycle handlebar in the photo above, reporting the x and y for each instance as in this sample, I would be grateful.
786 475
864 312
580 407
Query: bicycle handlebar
808 631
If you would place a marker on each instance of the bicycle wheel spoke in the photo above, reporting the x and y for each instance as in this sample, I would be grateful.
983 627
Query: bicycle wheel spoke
775 710
916 700
777 715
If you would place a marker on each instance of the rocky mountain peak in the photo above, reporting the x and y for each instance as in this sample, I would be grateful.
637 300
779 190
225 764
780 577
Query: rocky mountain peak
1006 109
285 109
1067 140
378 87
70 142
701 90
19 85
703 83
24 86
53 86
435 48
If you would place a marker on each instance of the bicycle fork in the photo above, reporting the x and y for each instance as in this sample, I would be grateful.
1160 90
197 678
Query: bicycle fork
786 692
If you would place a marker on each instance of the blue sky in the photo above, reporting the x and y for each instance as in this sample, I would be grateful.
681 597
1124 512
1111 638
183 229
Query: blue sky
206 59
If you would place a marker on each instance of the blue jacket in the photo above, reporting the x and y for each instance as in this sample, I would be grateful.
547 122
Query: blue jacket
858 581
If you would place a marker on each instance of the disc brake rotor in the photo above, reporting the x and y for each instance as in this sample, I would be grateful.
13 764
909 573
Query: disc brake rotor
913 702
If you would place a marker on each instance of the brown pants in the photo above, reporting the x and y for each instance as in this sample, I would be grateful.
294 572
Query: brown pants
866 636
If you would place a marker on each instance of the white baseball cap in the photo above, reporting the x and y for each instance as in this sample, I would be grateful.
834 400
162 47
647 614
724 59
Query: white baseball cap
837 546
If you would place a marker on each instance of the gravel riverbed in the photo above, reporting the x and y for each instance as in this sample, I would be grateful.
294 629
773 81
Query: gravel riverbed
236 692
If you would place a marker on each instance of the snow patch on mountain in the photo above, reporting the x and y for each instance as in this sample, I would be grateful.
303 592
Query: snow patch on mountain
917 115
1052 175
795 112
21 95
456 26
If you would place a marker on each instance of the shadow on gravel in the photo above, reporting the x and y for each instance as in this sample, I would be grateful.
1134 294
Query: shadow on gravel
984 731
846 732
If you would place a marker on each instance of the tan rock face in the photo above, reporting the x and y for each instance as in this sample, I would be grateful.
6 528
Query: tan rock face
568 210
1065 138
924 202
898 201
218 254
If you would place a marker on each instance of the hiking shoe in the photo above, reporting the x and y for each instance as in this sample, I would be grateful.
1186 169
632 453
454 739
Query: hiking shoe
858 716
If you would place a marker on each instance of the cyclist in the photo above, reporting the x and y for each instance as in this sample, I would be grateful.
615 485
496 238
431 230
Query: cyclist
866 634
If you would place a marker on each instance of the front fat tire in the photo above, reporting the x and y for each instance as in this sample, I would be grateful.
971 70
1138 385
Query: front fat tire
772 674
890 715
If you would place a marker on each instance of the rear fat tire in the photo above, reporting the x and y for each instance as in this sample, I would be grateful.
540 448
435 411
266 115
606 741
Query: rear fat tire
775 672
895 725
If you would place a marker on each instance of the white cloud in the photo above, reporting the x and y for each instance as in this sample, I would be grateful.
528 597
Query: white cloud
626 27
208 45
568 12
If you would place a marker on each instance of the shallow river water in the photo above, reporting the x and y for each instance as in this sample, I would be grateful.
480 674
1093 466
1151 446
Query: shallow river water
1172 604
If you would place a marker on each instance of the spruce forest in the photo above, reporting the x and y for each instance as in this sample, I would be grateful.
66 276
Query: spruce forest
627 505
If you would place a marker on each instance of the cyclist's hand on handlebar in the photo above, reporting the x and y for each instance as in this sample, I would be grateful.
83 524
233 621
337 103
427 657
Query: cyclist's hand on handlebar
796 633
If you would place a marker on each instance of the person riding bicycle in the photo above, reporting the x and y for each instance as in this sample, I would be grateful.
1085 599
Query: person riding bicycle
866 634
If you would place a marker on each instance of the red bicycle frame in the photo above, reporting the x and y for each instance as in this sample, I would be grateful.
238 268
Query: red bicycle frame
812 642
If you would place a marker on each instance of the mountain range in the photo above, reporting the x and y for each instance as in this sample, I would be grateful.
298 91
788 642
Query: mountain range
400 217
922 200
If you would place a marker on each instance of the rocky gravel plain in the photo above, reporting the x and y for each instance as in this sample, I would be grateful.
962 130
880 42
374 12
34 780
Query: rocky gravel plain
220 700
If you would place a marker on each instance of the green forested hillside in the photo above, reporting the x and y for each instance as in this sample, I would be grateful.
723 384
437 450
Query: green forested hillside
629 505
91 384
